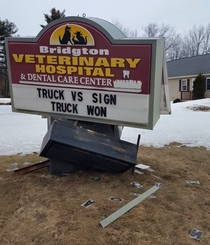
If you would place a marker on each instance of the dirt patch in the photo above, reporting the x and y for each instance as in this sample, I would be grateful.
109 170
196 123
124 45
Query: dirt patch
37 208
199 108
5 103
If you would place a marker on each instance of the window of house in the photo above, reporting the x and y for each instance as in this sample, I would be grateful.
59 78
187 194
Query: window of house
184 85
208 83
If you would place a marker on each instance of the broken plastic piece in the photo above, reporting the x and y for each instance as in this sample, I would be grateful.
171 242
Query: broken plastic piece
96 178
196 234
116 199
150 169
15 164
88 203
135 194
12 169
193 182
142 166
46 176
136 184
26 163
151 196
138 172
157 177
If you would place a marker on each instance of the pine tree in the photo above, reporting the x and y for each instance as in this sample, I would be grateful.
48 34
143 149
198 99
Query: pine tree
199 87
7 29
54 15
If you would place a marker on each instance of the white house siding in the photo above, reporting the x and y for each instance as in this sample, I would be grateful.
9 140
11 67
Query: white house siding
174 89
207 94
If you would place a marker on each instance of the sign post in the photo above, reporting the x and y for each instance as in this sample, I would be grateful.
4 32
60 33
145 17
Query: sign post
85 70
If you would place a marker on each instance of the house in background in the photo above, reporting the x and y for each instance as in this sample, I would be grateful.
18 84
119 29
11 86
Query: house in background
182 73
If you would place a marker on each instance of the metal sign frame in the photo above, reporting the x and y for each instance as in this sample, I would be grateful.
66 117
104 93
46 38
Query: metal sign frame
115 37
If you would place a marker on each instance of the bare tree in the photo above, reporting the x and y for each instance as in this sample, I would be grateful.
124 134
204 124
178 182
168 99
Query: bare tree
169 34
125 30
174 51
206 41
151 30
195 42
195 38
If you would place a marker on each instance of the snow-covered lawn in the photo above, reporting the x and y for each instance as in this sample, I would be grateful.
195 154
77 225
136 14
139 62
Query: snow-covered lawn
23 133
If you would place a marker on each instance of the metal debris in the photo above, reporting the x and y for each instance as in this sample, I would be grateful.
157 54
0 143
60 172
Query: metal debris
33 167
129 205
159 185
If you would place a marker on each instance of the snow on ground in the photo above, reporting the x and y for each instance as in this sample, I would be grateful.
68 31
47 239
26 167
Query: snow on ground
4 100
23 133
184 125
20 133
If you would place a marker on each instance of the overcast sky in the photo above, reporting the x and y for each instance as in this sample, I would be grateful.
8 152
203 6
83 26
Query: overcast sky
135 14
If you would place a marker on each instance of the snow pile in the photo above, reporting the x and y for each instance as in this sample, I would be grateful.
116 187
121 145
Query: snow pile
23 133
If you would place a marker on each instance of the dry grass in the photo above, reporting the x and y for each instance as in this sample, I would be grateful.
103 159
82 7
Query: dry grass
40 209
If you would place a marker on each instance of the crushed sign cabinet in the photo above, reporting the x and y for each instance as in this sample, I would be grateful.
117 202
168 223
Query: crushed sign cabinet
72 148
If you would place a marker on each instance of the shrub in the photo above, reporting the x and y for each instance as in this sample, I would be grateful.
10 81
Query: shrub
177 100
199 87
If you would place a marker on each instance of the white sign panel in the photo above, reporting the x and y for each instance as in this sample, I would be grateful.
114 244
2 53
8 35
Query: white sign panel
85 103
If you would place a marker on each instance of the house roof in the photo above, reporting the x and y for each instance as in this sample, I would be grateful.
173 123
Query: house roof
189 66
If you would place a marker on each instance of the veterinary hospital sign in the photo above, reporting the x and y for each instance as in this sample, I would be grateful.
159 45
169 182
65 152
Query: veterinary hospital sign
80 69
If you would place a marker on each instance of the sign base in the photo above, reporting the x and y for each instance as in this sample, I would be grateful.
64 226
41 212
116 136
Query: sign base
72 148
